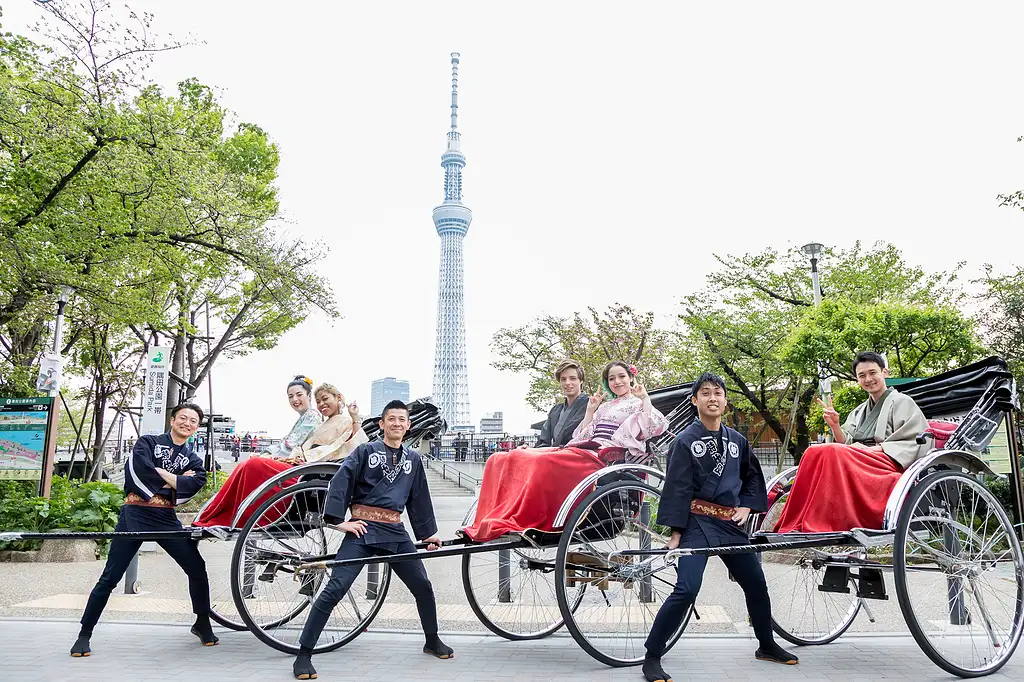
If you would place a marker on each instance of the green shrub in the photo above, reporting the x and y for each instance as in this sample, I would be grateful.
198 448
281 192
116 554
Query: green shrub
73 505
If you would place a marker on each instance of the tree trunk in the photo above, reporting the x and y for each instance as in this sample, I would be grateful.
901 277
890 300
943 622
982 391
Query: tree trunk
175 390
803 431
95 473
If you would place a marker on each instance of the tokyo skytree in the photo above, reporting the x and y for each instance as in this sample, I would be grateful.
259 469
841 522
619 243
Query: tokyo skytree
451 220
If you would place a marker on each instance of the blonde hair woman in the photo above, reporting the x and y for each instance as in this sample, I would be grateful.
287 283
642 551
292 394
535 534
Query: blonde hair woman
332 440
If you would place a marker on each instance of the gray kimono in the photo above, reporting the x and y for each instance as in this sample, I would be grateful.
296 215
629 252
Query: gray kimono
899 422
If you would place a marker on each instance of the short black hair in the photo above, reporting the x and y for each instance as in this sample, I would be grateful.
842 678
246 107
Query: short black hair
868 356
394 405
706 378
187 406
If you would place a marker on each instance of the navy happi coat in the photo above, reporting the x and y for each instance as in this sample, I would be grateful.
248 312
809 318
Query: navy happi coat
368 476
697 470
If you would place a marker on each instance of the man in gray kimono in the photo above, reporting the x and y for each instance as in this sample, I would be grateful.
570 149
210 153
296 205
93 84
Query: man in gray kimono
887 422
566 415
844 485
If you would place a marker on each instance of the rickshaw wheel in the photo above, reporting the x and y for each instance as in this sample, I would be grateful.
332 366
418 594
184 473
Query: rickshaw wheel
600 596
286 530
802 613
959 574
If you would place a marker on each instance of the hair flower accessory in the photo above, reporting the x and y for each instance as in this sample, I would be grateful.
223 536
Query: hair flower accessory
632 370
308 380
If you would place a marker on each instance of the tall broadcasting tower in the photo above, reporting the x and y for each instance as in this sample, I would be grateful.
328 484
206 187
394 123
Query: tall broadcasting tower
452 219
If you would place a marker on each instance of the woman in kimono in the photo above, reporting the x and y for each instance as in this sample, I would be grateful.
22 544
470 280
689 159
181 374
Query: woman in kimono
309 441
523 489
846 484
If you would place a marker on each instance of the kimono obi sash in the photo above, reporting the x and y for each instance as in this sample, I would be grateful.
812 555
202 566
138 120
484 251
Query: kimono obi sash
155 501
368 513
718 511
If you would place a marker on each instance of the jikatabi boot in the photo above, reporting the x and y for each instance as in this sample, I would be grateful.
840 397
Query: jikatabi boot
435 647
653 671
81 648
303 668
204 631
775 654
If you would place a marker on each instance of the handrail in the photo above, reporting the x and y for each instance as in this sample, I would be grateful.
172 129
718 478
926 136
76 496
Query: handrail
459 473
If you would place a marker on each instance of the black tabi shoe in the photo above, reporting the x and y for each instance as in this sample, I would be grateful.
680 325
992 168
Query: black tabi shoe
303 668
653 672
80 648
775 654
436 647
205 635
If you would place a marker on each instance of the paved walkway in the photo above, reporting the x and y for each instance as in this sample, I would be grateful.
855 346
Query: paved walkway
38 650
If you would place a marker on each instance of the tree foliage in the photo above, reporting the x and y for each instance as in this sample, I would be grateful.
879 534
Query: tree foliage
592 339
755 322
1001 319
151 205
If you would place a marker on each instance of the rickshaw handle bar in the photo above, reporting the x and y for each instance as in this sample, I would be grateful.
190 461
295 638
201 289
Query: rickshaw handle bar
152 535
673 554
449 548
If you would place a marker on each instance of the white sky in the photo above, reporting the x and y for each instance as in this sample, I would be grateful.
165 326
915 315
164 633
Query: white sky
611 150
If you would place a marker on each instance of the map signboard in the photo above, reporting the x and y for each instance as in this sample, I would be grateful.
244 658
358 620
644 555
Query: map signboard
24 424
155 396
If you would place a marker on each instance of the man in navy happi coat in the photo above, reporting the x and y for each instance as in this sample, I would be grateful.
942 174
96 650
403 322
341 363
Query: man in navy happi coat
161 473
712 483
375 483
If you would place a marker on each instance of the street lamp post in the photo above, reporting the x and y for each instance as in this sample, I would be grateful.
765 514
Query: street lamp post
63 296
814 251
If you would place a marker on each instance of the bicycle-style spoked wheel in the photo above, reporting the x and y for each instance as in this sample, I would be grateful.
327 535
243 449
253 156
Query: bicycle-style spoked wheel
959 574
512 591
609 601
801 612
286 531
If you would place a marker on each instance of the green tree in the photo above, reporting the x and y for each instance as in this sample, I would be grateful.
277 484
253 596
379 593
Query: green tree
742 321
592 339
1001 319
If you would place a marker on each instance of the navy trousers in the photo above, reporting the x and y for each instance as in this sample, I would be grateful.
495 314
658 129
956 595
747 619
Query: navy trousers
745 568
412 573
122 550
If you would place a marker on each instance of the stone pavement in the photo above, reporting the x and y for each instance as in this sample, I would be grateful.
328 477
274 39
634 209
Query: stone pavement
38 650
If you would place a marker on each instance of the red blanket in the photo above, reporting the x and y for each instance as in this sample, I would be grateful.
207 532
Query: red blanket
837 488
523 489
246 477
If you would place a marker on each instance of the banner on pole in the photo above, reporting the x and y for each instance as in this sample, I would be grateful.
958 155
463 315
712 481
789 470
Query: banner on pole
154 399
49 373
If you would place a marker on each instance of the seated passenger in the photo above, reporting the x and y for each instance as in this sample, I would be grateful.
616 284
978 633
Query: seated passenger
331 440
523 489
566 415
844 485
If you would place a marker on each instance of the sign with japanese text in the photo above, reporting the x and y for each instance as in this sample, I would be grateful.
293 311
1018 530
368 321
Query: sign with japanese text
154 397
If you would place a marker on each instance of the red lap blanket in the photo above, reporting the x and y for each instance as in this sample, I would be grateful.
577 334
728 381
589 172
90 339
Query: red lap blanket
838 488
246 477
523 489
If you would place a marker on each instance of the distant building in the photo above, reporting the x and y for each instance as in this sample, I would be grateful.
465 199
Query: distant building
383 391
492 424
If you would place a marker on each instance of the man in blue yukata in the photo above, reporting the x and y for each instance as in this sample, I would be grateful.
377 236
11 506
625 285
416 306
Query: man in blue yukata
376 482
712 483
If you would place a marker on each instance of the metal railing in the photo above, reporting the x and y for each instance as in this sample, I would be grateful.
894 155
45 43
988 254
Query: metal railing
452 473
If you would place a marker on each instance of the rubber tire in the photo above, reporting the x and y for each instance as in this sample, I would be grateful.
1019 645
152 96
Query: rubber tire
236 591
563 601
486 622
900 571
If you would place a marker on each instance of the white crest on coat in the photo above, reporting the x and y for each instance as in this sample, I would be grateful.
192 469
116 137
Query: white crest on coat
734 450
376 459
698 448
407 466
